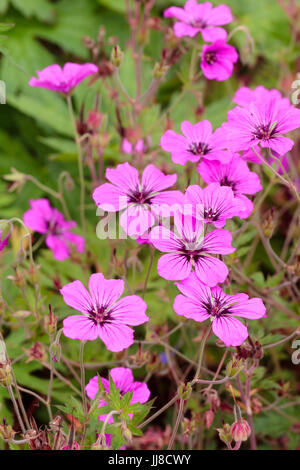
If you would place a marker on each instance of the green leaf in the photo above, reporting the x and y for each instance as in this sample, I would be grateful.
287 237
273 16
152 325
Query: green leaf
114 394
6 27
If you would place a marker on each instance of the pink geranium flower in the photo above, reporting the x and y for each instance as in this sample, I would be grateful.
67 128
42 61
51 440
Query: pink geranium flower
244 96
217 60
142 200
214 204
262 123
44 219
103 315
188 249
124 381
237 176
198 141
199 302
201 18
3 240
63 79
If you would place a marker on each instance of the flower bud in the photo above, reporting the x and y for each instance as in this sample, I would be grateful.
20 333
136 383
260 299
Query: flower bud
50 323
160 70
234 366
185 390
5 374
208 418
6 431
100 443
269 223
33 274
224 433
240 430
126 433
16 179
37 352
117 56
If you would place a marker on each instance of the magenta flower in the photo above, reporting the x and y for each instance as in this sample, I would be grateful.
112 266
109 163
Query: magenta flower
201 18
124 381
244 96
44 219
63 79
198 141
3 240
262 123
214 204
199 302
217 60
104 316
191 250
237 176
142 201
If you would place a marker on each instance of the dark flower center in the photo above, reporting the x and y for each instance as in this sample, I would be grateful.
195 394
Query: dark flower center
210 57
199 148
216 307
100 315
264 132
140 196
225 181
210 214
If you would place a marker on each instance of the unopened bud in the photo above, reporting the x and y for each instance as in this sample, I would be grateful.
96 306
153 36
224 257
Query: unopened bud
33 274
185 390
126 433
6 431
116 57
50 323
240 430
5 374
100 443
234 366
160 70
269 223
208 418
225 433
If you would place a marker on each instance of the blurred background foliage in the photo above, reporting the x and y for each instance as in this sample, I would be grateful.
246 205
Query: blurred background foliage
36 138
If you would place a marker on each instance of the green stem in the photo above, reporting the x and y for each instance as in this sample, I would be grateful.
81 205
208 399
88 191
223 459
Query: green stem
201 353
148 272
80 164
177 424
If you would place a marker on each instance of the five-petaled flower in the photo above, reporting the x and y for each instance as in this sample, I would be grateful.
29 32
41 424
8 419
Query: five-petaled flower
199 302
63 79
191 249
201 18
197 142
103 316
214 204
142 201
217 60
237 176
262 123
44 219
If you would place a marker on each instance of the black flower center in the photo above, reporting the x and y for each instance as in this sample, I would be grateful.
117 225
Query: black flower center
264 131
100 315
225 181
199 148
210 57
216 307
140 196
210 214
